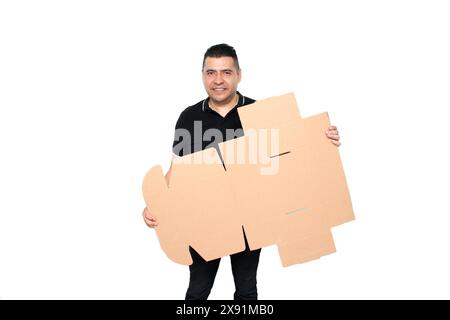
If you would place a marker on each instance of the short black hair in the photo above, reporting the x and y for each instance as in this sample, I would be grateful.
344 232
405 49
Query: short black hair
221 50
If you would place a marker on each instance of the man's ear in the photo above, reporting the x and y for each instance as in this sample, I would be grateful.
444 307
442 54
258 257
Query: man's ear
239 73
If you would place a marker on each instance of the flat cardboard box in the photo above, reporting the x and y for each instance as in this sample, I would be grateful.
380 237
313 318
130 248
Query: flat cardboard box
291 195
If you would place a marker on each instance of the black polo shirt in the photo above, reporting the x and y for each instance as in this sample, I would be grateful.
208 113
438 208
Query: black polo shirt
192 132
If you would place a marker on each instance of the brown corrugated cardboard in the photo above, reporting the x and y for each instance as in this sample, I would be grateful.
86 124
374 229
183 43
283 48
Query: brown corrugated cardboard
290 194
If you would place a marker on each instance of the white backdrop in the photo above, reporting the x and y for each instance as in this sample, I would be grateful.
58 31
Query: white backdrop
89 95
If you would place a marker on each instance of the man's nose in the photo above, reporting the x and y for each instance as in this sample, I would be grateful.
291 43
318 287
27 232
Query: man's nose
218 79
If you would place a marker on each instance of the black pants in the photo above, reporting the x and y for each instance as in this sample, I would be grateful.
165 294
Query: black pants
244 265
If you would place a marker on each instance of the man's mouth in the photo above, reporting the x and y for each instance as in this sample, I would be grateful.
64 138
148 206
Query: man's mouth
219 89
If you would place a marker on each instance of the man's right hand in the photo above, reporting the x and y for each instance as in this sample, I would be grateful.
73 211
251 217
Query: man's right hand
149 218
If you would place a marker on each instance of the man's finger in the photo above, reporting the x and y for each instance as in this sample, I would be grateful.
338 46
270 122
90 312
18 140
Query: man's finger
336 143
151 224
332 128
149 220
148 215
333 136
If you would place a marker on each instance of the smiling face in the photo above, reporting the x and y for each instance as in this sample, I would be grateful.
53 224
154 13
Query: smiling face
221 78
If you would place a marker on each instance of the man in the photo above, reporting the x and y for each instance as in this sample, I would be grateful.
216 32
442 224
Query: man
221 76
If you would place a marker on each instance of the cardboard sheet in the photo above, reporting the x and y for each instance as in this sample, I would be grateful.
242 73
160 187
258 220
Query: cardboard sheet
282 183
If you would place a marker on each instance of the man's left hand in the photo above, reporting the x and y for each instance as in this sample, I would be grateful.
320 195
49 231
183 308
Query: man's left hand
333 134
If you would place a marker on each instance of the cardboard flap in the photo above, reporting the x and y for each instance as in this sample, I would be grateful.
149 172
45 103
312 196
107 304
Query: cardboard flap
157 199
154 188
269 113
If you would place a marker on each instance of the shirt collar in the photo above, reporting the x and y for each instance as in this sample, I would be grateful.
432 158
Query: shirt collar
240 103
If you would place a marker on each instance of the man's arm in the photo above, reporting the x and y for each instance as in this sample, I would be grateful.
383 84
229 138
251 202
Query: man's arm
149 219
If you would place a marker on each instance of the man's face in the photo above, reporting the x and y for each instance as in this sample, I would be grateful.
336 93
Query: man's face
221 78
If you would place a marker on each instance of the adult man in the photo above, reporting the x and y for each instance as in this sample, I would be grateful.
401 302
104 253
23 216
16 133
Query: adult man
221 76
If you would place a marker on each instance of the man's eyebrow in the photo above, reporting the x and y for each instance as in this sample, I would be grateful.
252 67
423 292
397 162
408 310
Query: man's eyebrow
215 70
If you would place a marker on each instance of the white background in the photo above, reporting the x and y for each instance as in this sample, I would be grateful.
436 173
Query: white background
89 95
